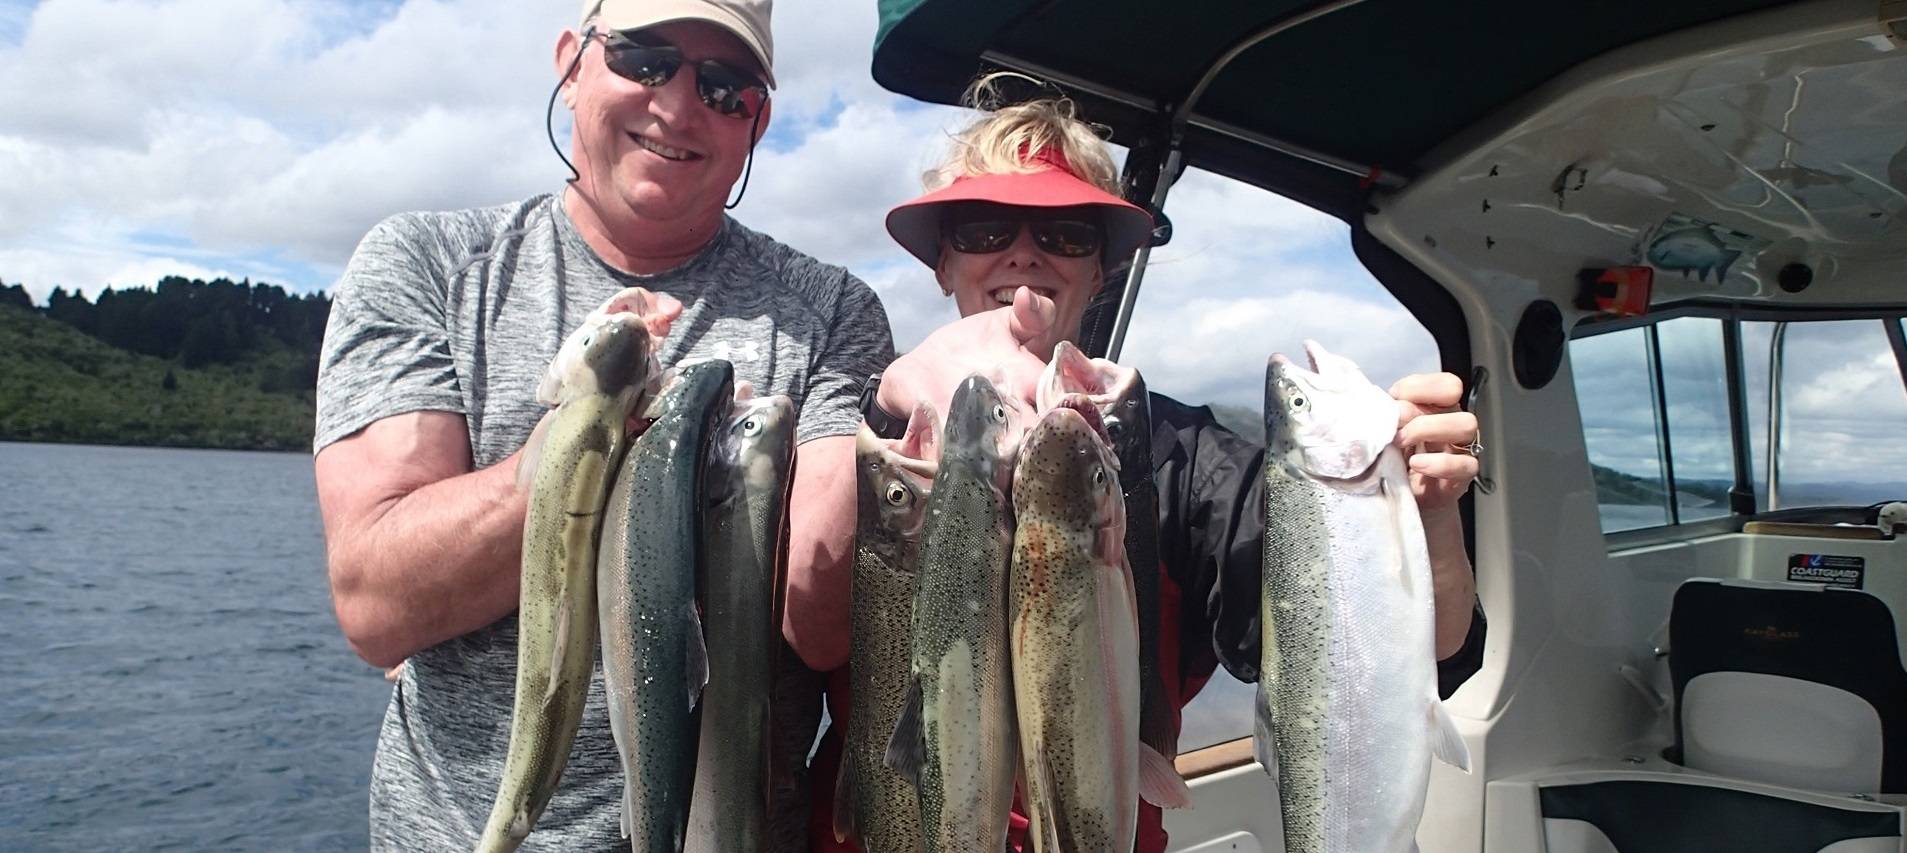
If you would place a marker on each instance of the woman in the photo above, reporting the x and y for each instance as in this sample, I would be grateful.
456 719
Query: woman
1020 227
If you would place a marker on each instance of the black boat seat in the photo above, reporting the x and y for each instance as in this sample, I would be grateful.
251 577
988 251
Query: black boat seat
1788 684
1695 816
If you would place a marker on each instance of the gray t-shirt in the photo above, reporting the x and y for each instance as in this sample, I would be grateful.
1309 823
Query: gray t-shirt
461 312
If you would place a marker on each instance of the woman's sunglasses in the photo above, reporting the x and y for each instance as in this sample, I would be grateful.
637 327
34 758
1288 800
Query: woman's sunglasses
992 228
724 88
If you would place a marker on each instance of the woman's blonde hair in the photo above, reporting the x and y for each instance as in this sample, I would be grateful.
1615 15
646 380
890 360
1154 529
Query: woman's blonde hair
1009 139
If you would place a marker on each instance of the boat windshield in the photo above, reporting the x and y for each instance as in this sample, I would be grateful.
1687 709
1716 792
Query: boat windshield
1662 434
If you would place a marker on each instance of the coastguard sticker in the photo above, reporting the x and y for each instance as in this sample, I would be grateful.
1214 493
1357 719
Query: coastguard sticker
1830 569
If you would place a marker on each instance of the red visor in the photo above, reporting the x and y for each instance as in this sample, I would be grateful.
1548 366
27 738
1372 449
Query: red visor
916 224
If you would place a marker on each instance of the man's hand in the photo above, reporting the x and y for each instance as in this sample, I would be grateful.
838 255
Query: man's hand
992 344
1433 433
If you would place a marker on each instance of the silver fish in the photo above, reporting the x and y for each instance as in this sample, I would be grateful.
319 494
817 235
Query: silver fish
1348 714
872 804
595 380
655 663
955 736
744 551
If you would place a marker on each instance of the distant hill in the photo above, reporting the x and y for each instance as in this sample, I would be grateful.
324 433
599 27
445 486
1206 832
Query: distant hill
189 364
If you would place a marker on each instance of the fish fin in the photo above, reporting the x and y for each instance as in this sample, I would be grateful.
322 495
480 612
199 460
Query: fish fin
1039 790
698 653
556 654
846 825
1721 269
908 749
628 803
1445 741
1263 747
532 455
1160 783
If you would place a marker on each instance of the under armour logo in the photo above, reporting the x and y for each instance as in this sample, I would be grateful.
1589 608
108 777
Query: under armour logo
731 353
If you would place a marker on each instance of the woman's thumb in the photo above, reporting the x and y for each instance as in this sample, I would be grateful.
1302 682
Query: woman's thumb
1031 317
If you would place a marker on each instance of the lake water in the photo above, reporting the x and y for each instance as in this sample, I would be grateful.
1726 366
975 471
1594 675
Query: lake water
171 676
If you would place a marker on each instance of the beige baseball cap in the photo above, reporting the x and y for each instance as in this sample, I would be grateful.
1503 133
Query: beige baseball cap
747 19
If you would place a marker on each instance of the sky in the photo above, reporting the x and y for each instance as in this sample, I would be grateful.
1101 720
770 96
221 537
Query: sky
263 138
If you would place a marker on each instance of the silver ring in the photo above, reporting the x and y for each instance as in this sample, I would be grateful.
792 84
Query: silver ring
1475 447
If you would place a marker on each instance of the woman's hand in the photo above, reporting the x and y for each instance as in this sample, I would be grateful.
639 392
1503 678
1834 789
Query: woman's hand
1435 436
991 343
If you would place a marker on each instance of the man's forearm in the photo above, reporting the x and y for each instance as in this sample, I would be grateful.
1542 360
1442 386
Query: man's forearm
821 553
1452 579
437 563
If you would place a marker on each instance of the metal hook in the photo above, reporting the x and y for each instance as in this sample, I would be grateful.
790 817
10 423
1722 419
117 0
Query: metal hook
1478 377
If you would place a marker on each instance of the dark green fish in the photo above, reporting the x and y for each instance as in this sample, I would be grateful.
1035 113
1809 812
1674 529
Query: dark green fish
655 663
1120 395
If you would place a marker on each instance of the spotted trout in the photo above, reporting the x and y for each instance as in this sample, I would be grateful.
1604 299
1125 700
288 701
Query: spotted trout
1119 393
955 737
872 804
1075 638
744 550
595 380
655 662
1348 716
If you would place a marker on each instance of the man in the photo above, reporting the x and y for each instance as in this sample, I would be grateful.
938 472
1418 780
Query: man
440 329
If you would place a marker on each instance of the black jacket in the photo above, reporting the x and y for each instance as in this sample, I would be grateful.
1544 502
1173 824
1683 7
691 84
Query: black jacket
1211 539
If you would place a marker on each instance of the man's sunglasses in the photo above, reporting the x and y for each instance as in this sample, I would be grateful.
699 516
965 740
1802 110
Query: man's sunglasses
724 88
1067 233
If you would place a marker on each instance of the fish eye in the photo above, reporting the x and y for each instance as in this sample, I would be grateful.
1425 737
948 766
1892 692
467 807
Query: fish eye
751 426
999 413
588 339
1099 475
897 494
1297 402
1115 428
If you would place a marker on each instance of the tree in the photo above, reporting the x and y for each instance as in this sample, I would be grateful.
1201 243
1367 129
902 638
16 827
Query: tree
170 383
13 294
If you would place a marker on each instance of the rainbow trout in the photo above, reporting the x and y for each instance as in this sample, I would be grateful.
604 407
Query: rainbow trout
1126 410
1075 636
655 662
595 380
955 737
872 803
744 553
1348 715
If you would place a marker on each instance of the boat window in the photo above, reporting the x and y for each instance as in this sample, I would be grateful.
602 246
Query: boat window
1615 390
1843 408
1701 447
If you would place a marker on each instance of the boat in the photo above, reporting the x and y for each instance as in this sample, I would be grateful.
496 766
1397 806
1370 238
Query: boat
1664 243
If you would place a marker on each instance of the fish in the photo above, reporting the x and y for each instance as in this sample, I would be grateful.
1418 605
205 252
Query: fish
655 657
1694 249
955 737
1347 718
873 805
598 377
744 558
1125 408
1074 632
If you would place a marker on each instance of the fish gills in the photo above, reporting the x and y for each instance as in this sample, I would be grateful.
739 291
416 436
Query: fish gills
1075 638
956 735
873 804
744 517
655 662
595 382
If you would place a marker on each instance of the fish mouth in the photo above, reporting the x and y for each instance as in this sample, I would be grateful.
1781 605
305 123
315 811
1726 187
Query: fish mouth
1083 406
